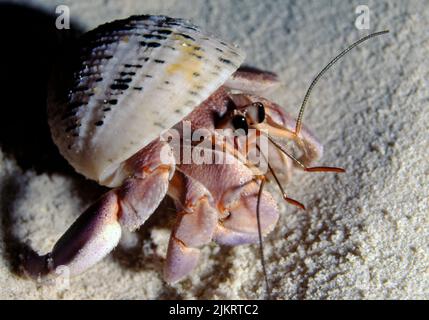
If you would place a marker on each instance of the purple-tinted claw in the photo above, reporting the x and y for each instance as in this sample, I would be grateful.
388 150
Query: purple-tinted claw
89 239
241 226
242 217
233 238
195 225
181 260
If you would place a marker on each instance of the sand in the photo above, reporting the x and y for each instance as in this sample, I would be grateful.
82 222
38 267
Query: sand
365 234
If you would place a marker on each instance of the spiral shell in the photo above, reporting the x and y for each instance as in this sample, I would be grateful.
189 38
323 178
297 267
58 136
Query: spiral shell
135 78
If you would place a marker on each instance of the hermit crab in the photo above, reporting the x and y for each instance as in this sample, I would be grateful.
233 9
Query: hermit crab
137 79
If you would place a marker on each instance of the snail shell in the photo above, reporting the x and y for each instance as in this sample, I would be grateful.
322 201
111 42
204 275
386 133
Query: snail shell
134 78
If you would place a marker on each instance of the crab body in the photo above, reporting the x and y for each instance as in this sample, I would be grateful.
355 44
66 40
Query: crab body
136 78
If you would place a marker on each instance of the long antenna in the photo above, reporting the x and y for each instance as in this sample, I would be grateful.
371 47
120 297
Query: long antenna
261 247
321 73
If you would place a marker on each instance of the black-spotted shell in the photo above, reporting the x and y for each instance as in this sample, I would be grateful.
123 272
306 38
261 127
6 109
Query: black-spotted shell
135 78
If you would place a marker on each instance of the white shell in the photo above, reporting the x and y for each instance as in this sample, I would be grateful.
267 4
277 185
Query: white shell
135 78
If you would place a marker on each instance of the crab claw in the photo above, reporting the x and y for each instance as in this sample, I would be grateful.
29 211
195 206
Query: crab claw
194 227
235 194
98 230
241 225
93 235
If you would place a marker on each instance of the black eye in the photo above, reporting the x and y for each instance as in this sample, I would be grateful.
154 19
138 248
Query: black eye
261 112
239 122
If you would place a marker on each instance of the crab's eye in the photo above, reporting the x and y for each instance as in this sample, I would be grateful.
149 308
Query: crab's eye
240 122
255 113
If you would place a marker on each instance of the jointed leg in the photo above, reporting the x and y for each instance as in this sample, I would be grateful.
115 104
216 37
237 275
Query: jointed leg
195 225
98 230
252 80
234 191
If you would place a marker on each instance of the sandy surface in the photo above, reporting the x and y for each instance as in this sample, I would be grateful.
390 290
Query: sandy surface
365 233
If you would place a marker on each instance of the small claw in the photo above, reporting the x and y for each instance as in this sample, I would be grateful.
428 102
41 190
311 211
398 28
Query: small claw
230 237
241 227
181 260
235 194
242 216
194 227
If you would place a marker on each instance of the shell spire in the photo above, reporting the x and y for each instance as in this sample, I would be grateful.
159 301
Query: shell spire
134 78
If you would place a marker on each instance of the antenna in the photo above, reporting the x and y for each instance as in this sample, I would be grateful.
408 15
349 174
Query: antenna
326 68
